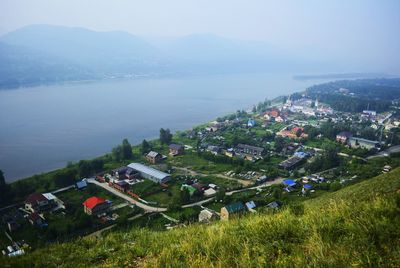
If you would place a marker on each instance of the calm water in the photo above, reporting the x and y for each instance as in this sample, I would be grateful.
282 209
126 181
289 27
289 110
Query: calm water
43 128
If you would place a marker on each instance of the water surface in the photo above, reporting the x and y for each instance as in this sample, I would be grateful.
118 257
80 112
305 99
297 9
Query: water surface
42 128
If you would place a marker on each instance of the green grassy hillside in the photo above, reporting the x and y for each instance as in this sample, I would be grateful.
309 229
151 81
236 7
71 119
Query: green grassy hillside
356 226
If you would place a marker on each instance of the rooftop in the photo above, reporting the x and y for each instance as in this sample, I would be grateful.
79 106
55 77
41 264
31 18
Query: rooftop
235 207
93 201
148 170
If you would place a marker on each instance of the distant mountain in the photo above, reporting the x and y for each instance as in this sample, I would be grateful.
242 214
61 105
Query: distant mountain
21 66
107 53
209 52
46 54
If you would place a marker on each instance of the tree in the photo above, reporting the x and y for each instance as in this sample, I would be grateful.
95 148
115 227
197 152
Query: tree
97 165
165 136
84 168
299 132
220 194
64 178
2 180
5 190
184 196
117 153
146 147
126 150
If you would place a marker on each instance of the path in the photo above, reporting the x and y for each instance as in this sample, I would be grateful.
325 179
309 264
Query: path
169 218
99 232
266 184
195 173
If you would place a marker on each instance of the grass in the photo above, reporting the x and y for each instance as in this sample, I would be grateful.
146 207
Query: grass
356 226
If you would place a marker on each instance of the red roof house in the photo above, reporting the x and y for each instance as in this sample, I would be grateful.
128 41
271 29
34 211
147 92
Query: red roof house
95 205
37 202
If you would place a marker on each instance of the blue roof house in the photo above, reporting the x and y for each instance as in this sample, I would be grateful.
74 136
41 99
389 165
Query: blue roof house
289 182
81 184
251 122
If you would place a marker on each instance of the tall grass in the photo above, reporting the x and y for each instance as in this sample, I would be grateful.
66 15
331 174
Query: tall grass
356 226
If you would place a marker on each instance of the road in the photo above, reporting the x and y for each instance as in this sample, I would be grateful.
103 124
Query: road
387 152
158 209
126 197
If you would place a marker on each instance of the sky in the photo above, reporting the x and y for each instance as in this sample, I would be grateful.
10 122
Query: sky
363 31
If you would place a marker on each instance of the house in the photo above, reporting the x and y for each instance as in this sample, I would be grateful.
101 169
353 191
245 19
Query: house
96 205
249 150
207 216
190 189
150 173
294 133
279 119
216 126
356 142
343 136
289 183
154 157
123 186
250 205
306 188
124 173
176 149
199 187
251 122
261 179
213 186
291 163
232 210
230 152
369 112
386 169
37 202
213 149
273 205
274 113
35 219
81 184
209 192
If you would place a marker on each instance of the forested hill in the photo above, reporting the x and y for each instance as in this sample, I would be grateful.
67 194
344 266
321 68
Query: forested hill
358 95
355 226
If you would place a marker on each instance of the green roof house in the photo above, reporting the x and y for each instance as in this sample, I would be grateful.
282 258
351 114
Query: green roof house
232 210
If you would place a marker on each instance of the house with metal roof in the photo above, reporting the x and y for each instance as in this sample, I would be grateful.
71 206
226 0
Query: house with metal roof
232 210
154 157
176 149
150 173
81 184
37 202
250 205
356 142
289 183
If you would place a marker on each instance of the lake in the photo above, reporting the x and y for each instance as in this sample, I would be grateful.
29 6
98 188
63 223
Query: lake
42 128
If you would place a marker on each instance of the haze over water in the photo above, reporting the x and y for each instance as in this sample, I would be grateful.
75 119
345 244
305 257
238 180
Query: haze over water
45 127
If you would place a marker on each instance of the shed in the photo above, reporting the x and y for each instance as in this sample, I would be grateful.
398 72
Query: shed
289 182
81 185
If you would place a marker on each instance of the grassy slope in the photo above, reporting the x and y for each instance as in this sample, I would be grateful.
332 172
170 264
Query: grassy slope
356 226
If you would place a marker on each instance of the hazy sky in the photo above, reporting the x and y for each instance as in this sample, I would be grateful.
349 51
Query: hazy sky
359 29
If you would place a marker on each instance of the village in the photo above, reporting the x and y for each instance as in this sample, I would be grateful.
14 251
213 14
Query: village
275 155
